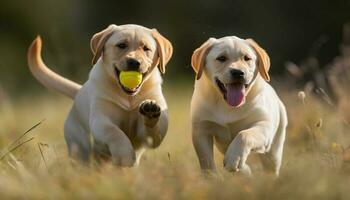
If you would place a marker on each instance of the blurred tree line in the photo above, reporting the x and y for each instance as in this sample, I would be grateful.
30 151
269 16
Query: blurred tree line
288 30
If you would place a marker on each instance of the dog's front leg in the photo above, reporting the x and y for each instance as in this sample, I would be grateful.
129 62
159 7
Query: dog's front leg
202 140
152 123
118 143
247 140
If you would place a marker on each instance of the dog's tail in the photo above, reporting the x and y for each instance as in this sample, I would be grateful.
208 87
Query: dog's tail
46 76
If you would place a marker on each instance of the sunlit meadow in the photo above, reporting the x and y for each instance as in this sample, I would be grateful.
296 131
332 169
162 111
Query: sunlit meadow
316 157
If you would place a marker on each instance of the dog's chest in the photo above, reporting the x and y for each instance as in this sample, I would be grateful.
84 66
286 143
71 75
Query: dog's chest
225 135
128 124
232 122
229 116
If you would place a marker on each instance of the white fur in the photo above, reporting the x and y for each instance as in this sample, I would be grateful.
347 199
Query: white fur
258 125
102 110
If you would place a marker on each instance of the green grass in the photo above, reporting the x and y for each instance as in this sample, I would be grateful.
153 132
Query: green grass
315 165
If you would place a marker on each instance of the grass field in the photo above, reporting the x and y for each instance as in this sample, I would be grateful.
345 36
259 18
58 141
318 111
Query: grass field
316 158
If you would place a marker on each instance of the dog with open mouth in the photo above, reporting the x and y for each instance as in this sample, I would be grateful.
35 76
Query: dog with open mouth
121 121
234 107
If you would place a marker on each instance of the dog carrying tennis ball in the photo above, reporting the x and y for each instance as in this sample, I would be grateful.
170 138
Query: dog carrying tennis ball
130 79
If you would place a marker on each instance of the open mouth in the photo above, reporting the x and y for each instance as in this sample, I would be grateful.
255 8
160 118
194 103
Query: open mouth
130 91
233 93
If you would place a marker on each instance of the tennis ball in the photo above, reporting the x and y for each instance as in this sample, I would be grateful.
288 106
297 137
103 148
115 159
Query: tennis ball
130 79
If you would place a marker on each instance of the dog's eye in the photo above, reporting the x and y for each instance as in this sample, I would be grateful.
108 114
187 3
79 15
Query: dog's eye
145 48
247 58
221 59
122 45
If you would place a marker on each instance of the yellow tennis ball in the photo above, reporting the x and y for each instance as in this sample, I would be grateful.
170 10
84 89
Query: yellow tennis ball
130 79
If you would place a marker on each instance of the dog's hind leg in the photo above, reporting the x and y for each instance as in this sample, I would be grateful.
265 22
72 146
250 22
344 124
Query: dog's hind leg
271 163
139 154
272 160
77 138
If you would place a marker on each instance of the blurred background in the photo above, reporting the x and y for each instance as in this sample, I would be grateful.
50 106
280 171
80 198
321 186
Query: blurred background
290 31
309 46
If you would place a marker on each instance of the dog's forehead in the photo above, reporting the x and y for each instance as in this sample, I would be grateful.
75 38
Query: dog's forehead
133 33
232 45
133 26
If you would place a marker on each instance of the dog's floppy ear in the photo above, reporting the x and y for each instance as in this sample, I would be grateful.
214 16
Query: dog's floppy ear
262 58
199 55
98 41
164 50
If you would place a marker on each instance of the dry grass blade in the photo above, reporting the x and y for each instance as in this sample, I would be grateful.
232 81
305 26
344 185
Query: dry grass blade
42 155
169 158
16 147
20 137
32 128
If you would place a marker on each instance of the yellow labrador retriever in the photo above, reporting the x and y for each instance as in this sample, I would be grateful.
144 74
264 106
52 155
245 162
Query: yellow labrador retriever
234 107
122 121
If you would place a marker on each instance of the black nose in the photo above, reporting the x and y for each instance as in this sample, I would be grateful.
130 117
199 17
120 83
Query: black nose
133 64
235 73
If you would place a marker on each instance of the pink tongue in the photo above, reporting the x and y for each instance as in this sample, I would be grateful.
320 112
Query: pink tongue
235 94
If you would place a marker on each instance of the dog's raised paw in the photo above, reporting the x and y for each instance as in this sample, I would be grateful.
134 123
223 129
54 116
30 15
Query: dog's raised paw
150 108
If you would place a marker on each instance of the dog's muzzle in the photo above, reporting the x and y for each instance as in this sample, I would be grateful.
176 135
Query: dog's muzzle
129 91
234 92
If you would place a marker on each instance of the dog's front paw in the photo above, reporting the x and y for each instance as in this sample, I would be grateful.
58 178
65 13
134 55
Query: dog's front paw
236 157
233 162
150 109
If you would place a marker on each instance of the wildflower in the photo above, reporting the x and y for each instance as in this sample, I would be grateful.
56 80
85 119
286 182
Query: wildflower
302 96
319 123
335 147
